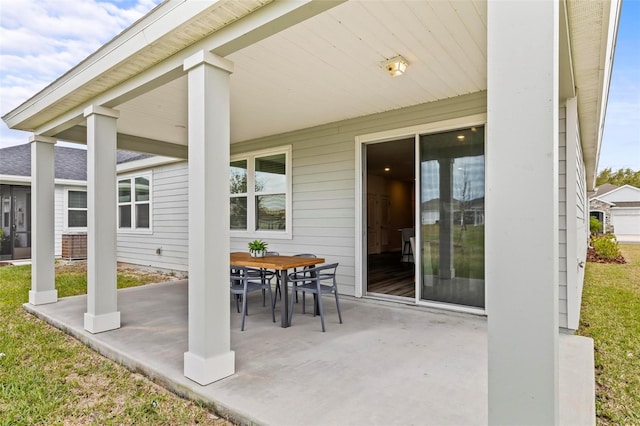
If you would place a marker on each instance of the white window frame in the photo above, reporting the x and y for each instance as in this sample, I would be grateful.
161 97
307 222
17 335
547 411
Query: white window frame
66 208
251 231
132 177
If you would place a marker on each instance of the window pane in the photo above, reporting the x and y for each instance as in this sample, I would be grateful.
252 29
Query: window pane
238 212
125 216
238 177
271 173
142 215
142 189
271 211
124 191
77 200
77 219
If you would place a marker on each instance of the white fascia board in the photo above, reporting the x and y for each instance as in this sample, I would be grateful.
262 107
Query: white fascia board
256 26
70 182
26 180
14 180
165 18
626 208
146 163
601 200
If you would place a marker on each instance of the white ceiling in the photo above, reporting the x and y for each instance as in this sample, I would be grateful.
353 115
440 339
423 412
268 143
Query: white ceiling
328 68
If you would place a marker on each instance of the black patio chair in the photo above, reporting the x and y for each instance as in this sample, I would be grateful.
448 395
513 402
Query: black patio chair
317 280
306 267
244 281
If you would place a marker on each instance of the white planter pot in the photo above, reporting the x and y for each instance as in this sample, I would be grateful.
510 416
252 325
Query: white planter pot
257 253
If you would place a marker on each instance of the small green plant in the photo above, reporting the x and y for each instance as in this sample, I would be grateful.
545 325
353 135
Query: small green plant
606 246
595 226
258 245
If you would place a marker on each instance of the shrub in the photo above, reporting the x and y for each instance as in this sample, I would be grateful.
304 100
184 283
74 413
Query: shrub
595 226
606 246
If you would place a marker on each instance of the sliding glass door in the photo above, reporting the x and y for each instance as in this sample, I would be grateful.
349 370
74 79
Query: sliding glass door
451 222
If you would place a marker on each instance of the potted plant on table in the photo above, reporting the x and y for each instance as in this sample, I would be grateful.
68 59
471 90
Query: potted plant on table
258 248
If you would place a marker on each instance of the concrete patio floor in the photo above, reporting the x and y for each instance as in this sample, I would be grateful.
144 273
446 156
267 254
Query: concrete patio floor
388 364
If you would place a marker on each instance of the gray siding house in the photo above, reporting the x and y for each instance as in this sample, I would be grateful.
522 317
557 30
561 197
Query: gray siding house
70 198
324 127
618 209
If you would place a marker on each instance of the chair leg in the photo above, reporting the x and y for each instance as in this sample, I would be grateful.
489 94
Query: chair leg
338 306
244 310
319 297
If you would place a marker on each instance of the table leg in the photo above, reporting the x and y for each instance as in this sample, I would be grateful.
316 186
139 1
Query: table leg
284 305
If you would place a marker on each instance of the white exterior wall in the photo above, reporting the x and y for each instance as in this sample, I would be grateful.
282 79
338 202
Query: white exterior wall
169 233
562 222
59 219
61 215
624 193
576 220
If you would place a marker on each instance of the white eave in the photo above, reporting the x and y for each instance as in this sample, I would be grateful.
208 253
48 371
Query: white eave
593 31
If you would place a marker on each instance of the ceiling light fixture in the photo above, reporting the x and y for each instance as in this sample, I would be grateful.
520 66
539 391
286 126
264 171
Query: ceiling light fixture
395 66
387 169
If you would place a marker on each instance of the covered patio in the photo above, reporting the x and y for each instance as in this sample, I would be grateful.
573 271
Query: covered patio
212 82
387 364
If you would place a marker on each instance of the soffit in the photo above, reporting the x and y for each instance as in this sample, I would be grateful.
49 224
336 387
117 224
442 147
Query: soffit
328 68
592 51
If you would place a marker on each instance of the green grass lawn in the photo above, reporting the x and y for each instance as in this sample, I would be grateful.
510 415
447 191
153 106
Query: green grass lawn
468 250
611 316
47 377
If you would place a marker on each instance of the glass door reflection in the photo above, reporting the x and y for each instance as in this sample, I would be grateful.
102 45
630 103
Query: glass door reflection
452 217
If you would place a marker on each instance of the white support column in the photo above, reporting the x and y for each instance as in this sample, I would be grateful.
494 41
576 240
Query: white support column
102 299
42 221
209 357
522 212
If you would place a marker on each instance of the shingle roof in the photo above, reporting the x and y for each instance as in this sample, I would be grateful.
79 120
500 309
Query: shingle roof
70 163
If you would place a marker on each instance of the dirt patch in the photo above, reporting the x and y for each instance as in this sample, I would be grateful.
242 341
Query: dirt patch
126 269
592 256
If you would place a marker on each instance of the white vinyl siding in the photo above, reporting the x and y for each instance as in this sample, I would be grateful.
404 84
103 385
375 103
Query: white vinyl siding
562 211
169 195
574 218
58 219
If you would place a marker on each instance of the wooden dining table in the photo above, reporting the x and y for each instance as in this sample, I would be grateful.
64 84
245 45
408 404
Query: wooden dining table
278 263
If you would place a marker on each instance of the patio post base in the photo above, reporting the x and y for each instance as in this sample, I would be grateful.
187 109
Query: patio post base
208 370
99 323
43 297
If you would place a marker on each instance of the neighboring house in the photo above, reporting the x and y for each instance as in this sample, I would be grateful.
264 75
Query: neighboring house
15 195
618 208
70 199
278 105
